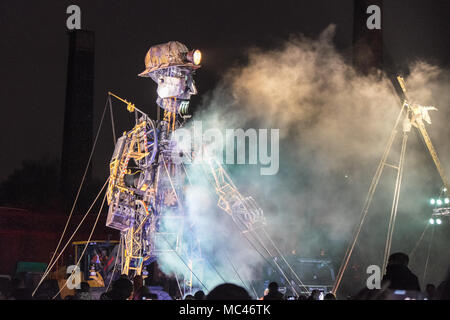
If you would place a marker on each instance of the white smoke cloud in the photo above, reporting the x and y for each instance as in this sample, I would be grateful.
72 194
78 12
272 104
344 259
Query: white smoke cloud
334 124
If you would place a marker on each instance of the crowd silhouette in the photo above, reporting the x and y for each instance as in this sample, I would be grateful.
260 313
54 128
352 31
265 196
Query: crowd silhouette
398 283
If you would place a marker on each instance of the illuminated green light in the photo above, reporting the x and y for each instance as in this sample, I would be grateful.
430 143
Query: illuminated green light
432 202
438 221
439 202
431 221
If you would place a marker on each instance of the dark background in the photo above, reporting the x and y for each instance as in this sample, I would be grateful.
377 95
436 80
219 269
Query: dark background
34 57
34 52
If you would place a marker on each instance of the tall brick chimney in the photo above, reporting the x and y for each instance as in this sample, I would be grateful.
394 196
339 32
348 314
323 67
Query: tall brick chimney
78 116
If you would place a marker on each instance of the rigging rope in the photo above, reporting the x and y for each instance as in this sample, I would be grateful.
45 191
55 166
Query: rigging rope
279 271
179 203
398 184
112 119
367 203
428 255
237 273
71 237
119 248
413 251
182 260
234 269
85 247
47 270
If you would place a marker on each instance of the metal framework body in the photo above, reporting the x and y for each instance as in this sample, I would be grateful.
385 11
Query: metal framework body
249 219
144 186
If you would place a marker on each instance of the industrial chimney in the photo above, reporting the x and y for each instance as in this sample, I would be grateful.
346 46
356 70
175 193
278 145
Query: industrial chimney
78 116
368 35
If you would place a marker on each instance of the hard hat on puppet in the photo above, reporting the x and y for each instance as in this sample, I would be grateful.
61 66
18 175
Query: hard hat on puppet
170 54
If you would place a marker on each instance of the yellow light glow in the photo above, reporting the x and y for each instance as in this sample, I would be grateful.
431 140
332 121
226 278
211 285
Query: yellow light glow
197 57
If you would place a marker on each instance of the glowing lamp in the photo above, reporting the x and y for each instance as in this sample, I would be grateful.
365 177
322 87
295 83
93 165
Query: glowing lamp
447 200
432 202
431 221
195 56
438 221
439 202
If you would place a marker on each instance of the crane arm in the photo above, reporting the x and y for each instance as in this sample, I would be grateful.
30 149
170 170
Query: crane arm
418 122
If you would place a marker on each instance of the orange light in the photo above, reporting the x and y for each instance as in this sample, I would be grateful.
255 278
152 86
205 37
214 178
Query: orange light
194 56
197 57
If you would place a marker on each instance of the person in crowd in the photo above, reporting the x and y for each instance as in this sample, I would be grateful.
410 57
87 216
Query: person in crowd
315 295
302 297
84 293
443 289
5 288
329 296
273 293
143 293
138 283
20 291
189 297
199 295
398 274
122 289
228 291
430 291
47 290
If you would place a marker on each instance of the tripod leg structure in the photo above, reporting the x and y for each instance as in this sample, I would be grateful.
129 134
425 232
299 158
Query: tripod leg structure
368 201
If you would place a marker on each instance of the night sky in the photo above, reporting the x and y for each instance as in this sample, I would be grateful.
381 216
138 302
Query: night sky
33 55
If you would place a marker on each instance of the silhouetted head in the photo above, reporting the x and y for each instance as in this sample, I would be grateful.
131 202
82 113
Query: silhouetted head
143 293
228 291
329 296
315 294
398 258
189 297
273 286
122 288
199 295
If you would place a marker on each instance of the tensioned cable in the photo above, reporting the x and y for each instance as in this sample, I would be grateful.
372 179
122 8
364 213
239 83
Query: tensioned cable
237 273
368 201
228 258
279 271
112 119
79 225
273 258
76 198
413 251
119 248
428 255
182 260
71 237
284 259
178 284
85 247
189 180
395 201
179 203
261 243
